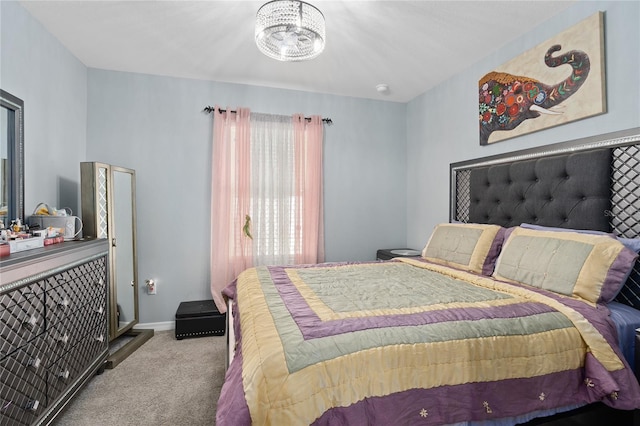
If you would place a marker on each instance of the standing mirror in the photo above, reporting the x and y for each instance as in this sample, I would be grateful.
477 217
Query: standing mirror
109 211
123 210
11 158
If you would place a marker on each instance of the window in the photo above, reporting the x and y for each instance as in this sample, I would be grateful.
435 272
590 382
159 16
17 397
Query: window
266 168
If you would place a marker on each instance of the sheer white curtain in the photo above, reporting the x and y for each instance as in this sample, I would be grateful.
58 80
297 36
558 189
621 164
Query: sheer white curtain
273 190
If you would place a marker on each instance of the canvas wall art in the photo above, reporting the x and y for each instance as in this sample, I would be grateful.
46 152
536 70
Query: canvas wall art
556 82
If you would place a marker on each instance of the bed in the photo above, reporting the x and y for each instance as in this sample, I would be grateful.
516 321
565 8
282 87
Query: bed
523 305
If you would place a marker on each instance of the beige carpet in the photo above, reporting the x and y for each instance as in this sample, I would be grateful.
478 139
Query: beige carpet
165 382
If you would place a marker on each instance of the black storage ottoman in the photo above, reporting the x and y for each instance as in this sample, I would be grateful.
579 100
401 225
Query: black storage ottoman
198 319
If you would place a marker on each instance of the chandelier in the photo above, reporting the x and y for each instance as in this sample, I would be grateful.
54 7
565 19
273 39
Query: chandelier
289 30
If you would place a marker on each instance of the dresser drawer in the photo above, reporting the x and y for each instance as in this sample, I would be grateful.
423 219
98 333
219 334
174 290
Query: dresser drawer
19 409
65 335
32 358
71 290
68 368
90 274
22 317
23 384
69 300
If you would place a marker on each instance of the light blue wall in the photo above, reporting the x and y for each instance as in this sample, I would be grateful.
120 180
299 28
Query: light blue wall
376 152
156 126
52 82
442 123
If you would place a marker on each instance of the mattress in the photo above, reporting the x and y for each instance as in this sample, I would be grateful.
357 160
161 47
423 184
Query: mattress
626 320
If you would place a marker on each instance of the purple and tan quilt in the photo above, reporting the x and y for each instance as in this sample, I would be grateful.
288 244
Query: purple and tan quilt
409 342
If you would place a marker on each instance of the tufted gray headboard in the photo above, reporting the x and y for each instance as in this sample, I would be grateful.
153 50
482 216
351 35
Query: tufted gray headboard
567 190
590 183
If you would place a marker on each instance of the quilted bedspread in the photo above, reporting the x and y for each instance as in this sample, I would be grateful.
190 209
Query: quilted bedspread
408 342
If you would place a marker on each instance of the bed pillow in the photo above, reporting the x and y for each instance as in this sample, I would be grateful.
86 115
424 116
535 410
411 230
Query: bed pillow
631 243
589 267
469 246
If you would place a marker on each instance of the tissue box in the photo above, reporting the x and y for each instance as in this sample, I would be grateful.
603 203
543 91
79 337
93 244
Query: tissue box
16 246
198 319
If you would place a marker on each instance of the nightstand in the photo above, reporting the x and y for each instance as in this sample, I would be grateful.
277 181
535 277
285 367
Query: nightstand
386 254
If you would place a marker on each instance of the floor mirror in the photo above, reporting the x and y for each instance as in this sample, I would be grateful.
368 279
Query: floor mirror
109 211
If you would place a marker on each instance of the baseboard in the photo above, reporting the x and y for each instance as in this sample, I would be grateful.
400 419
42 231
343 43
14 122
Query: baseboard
158 326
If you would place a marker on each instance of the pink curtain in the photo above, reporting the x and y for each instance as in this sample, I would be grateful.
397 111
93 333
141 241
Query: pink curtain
308 138
231 247
230 197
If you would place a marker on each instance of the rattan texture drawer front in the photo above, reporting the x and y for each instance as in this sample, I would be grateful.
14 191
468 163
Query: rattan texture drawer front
68 368
19 408
75 288
76 306
73 306
90 274
23 388
62 337
31 357
85 322
21 316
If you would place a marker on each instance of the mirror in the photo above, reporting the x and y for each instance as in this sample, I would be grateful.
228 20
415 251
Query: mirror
109 211
11 158
124 250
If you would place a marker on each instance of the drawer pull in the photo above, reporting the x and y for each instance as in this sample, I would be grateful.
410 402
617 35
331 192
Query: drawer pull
62 338
100 338
34 363
64 375
99 282
63 303
100 310
30 322
32 405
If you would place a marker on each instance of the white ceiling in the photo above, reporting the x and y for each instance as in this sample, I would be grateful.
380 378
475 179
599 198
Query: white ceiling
410 45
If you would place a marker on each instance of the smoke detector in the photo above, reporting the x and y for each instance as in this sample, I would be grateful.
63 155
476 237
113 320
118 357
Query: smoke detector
382 88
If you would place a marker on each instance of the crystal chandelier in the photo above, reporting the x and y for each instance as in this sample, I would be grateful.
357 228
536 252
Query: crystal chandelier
289 30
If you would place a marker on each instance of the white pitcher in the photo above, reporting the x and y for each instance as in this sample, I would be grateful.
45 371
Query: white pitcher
73 228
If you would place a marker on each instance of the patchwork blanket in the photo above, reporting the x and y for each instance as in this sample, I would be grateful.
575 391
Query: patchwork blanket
409 342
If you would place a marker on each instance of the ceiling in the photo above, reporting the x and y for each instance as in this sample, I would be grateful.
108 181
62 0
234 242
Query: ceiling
411 46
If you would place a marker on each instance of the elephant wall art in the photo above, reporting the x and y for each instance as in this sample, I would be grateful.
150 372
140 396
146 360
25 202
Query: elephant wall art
507 100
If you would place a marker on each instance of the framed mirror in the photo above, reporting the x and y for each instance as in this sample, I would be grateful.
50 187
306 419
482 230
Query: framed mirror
123 213
11 158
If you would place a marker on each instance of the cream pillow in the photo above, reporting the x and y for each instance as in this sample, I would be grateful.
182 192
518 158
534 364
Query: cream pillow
470 246
589 267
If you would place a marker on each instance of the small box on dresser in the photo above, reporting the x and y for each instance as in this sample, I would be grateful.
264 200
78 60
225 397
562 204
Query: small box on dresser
198 319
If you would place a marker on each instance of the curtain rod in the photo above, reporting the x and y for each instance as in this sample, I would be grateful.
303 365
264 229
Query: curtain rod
210 109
